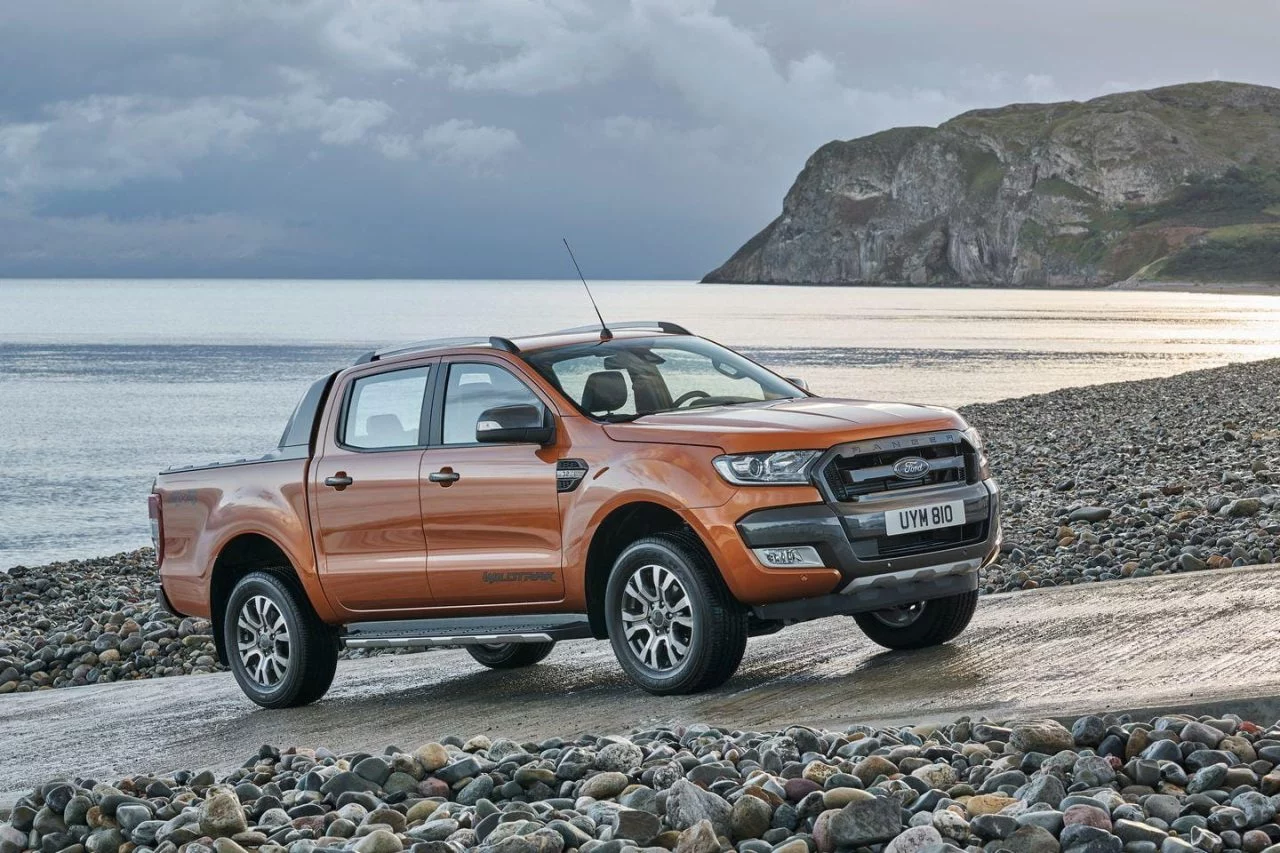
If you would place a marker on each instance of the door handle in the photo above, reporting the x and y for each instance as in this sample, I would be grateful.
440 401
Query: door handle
445 476
339 481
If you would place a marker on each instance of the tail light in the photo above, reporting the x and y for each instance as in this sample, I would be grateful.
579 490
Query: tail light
156 512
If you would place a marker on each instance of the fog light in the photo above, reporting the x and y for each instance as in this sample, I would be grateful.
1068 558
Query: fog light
789 557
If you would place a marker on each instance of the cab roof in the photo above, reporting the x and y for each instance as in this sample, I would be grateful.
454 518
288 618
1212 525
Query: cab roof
529 343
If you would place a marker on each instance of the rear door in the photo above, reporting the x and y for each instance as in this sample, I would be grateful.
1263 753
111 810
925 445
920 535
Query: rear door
490 511
368 520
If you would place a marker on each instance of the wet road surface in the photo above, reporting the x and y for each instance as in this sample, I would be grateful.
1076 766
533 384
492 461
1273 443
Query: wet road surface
1150 643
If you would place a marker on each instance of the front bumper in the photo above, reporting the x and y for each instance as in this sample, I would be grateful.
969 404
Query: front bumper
877 570
866 600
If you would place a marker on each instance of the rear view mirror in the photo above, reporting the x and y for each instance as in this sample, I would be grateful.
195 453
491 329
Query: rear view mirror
798 382
521 423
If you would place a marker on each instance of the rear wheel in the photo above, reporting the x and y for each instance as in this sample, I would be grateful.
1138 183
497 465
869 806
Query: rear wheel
922 624
510 655
673 624
282 655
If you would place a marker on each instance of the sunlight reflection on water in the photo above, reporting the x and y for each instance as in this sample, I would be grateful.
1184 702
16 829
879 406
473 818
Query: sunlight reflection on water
104 383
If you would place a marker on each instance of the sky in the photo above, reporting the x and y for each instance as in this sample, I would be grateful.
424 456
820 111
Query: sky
464 138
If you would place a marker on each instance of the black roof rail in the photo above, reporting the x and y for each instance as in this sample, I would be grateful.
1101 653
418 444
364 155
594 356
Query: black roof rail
657 325
437 343
504 344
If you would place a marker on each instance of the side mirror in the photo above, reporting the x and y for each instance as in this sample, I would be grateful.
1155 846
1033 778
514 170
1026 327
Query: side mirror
520 423
798 382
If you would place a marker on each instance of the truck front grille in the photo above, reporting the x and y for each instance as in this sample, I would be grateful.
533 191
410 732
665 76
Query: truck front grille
869 470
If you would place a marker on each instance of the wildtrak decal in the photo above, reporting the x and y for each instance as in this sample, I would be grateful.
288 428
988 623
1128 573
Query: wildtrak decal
517 577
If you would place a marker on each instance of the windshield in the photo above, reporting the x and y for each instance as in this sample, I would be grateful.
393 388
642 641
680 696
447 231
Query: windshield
620 380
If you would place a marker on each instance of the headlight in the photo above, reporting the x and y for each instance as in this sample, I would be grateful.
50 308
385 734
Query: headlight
975 438
751 469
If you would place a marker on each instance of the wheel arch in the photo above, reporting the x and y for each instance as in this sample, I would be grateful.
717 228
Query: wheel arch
623 525
239 556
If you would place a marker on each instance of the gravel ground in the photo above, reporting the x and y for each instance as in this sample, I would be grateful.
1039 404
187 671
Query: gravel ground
1105 785
1137 478
91 621
1125 480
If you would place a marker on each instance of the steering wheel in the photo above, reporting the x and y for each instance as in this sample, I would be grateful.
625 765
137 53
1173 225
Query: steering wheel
689 396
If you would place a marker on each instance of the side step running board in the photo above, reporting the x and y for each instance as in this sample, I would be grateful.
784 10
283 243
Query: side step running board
472 630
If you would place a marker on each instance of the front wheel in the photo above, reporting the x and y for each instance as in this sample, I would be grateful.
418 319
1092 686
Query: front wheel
925 623
673 624
282 655
510 655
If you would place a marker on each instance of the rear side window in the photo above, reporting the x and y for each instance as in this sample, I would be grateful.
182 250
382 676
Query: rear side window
385 410
471 389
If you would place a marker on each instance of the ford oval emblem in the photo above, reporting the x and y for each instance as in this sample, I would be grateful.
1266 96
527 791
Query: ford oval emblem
910 468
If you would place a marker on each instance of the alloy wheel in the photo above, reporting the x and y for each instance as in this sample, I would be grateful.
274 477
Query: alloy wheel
657 618
263 640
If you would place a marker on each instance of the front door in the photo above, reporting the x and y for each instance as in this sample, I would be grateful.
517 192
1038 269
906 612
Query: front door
490 510
368 521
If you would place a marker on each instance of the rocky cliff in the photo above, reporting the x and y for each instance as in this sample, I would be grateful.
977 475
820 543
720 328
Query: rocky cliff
1181 182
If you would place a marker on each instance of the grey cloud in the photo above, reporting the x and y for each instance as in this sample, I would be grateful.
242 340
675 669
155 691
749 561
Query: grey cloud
463 137
457 142
104 141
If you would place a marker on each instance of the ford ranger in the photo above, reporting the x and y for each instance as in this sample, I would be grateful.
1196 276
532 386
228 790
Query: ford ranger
636 483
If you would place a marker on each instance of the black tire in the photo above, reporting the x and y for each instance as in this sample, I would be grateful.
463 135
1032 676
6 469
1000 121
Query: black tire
935 623
312 645
716 636
511 655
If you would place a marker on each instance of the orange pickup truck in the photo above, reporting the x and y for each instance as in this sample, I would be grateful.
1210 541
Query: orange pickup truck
638 484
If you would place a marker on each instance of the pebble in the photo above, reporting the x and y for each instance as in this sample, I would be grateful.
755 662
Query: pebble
498 796
913 840
93 622
687 804
1113 481
1047 736
602 786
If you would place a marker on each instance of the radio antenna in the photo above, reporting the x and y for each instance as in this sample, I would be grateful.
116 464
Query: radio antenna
605 334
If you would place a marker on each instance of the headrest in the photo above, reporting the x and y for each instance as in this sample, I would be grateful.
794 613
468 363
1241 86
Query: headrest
386 431
605 391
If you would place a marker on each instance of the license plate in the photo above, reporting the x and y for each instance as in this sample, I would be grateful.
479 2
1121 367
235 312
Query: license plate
926 517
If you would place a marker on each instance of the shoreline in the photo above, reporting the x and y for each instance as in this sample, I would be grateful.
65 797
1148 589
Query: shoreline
1241 288
1221 288
1130 479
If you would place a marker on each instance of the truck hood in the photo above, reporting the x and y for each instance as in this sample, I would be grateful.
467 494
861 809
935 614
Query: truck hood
800 424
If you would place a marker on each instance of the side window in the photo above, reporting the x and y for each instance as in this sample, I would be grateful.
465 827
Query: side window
474 387
385 409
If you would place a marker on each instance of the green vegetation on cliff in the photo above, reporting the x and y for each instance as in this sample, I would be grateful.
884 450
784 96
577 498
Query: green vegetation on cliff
1232 253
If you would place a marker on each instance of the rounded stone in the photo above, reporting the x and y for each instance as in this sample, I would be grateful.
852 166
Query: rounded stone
432 756
379 841
221 814
619 757
750 818
1087 816
913 840
603 786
